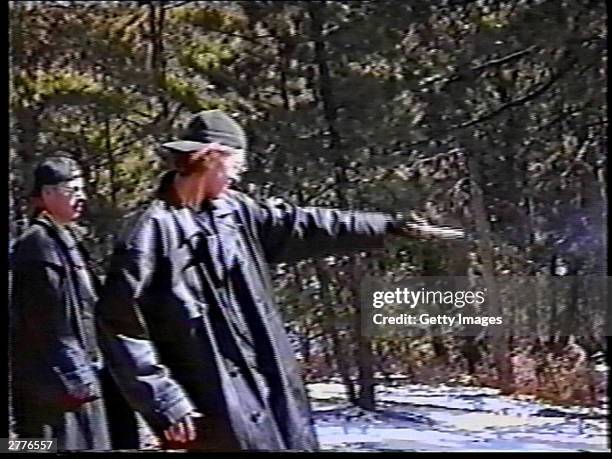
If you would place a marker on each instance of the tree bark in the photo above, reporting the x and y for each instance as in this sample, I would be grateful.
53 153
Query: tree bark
326 96
157 14
283 66
365 355
483 228
111 161
552 326
328 105
316 12
570 314
341 354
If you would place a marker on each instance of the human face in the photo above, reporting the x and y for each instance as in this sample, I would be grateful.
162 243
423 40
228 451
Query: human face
224 170
65 201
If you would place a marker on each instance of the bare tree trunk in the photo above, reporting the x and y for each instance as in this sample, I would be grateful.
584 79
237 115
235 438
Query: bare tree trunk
316 13
344 366
432 266
601 182
111 161
483 228
570 314
365 356
162 59
603 281
157 14
283 67
340 351
552 326
458 265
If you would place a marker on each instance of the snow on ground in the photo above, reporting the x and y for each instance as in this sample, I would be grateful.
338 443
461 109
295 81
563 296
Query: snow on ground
417 417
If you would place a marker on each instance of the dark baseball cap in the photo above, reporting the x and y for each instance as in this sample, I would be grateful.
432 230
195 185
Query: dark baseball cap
55 170
210 126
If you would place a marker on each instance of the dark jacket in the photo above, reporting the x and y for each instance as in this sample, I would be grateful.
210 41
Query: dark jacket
54 354
173 339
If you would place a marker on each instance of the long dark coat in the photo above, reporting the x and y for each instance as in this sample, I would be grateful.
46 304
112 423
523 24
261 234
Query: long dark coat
170 334
54 355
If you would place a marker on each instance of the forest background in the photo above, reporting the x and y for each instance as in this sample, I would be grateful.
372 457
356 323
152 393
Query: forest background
490 115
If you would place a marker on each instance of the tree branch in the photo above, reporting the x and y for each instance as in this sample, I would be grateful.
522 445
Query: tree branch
521 100
472 71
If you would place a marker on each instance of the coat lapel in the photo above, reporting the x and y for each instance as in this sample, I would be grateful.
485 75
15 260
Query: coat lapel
81 286
84 279
228 230
200 237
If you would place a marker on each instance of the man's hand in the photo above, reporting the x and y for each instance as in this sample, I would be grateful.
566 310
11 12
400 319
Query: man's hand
71 402
183 430
418 228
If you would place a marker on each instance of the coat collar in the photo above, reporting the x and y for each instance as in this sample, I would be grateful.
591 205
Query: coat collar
187 225
63 233
221 209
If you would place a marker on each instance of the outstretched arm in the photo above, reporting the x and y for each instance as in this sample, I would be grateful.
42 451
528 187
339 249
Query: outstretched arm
292 232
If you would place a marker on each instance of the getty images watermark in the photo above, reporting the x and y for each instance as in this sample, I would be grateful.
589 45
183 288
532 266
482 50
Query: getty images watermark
411 299
534 305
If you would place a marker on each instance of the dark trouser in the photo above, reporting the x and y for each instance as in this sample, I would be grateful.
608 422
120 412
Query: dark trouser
122 423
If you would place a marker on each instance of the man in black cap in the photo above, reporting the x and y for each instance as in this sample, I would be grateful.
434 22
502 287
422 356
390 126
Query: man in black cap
58 379
188 321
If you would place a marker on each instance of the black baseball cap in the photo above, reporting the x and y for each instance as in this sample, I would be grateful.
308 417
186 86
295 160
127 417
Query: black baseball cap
210 126
55 170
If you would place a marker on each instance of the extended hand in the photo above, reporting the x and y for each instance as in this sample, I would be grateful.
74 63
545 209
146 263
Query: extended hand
419 228
183 430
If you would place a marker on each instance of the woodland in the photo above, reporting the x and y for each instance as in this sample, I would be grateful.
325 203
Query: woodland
485 115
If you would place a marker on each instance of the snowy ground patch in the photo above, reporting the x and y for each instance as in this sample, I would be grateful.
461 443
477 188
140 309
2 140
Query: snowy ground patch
415 417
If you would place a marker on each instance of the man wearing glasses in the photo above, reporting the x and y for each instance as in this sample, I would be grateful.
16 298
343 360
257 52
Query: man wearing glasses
187 317
58 381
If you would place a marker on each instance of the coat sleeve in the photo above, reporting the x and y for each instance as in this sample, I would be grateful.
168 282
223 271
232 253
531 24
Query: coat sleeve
43 322
124 338
290 232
